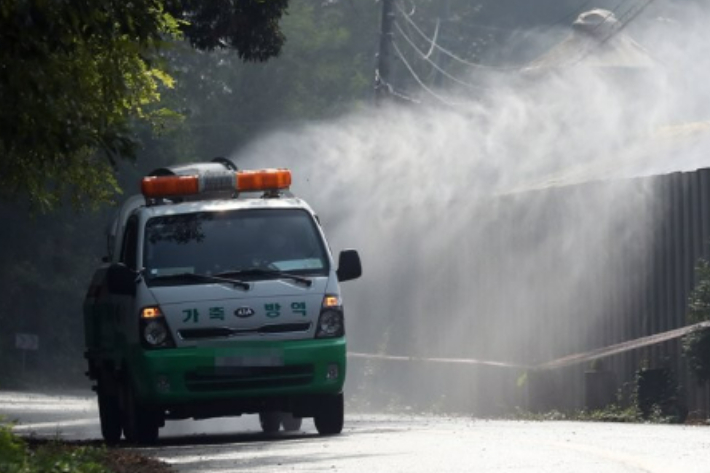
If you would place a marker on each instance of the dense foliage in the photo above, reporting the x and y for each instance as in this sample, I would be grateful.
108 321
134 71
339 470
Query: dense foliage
75 76
251 27
72 76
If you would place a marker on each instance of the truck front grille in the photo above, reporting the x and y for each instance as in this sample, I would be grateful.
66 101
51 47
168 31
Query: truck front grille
228 332
248 377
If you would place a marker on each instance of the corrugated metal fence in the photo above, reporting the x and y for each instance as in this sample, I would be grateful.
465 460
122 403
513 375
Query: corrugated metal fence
554 272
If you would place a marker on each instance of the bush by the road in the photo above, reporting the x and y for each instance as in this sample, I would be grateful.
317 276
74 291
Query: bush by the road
17 457
12 451
36 456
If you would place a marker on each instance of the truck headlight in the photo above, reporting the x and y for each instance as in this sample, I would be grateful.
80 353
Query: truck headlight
154 332
331 323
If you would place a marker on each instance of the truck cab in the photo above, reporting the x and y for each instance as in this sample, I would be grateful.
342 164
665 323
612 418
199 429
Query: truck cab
219 297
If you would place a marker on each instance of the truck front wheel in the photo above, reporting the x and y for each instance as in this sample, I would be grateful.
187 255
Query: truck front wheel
140 425
109 415
329 418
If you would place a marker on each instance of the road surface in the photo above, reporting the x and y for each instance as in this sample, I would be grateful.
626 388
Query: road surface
388 443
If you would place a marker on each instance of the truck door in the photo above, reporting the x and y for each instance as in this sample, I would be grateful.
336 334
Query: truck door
121 321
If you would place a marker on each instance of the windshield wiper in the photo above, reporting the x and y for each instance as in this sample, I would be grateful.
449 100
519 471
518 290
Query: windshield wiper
222 278
267 272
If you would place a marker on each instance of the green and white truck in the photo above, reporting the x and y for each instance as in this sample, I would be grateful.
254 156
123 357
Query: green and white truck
219 296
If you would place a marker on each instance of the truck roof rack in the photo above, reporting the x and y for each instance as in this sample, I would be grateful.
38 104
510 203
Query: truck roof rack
217 179
218 164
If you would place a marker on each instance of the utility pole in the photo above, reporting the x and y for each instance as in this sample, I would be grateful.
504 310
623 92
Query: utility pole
384 56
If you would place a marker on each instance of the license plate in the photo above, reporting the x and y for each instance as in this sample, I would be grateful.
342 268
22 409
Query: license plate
274 359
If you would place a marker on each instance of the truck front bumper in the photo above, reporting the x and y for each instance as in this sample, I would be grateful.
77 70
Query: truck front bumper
244 373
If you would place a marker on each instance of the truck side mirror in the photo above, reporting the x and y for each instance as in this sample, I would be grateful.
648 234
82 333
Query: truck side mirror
121 280
349 266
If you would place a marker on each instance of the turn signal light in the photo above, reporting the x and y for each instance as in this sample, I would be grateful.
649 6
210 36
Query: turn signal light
151 313
331 301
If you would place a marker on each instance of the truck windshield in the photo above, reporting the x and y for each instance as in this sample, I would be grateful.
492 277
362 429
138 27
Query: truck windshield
248 244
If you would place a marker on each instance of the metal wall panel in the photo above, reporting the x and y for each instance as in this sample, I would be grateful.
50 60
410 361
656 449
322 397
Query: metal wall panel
680 205
541 275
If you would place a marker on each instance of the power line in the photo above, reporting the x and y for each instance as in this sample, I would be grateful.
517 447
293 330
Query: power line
442 49
591 34
627 17
434 45
606 18
568 16
436 36
622 21
630 15
531 32
391 90
418 79
433 63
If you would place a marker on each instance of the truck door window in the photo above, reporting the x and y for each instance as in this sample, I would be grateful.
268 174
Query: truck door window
130 244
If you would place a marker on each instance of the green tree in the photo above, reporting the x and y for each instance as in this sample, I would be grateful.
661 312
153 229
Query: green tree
72 76
250 27
76 75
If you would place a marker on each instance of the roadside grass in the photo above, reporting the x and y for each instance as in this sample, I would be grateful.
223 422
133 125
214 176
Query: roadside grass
31 455
611 413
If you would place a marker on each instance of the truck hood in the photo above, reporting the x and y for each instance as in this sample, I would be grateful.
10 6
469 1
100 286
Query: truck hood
221 313
223 291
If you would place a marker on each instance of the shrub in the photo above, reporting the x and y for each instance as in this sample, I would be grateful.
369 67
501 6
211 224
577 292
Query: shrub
13 452
54 457
696 345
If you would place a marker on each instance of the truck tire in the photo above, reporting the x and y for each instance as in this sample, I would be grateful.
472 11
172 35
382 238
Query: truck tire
270 422
291 423
330 416
110 416
140 425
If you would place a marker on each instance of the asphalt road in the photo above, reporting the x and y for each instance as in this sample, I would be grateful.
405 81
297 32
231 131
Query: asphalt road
388 443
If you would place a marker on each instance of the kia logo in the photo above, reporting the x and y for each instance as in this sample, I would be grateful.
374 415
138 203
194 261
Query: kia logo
244 312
